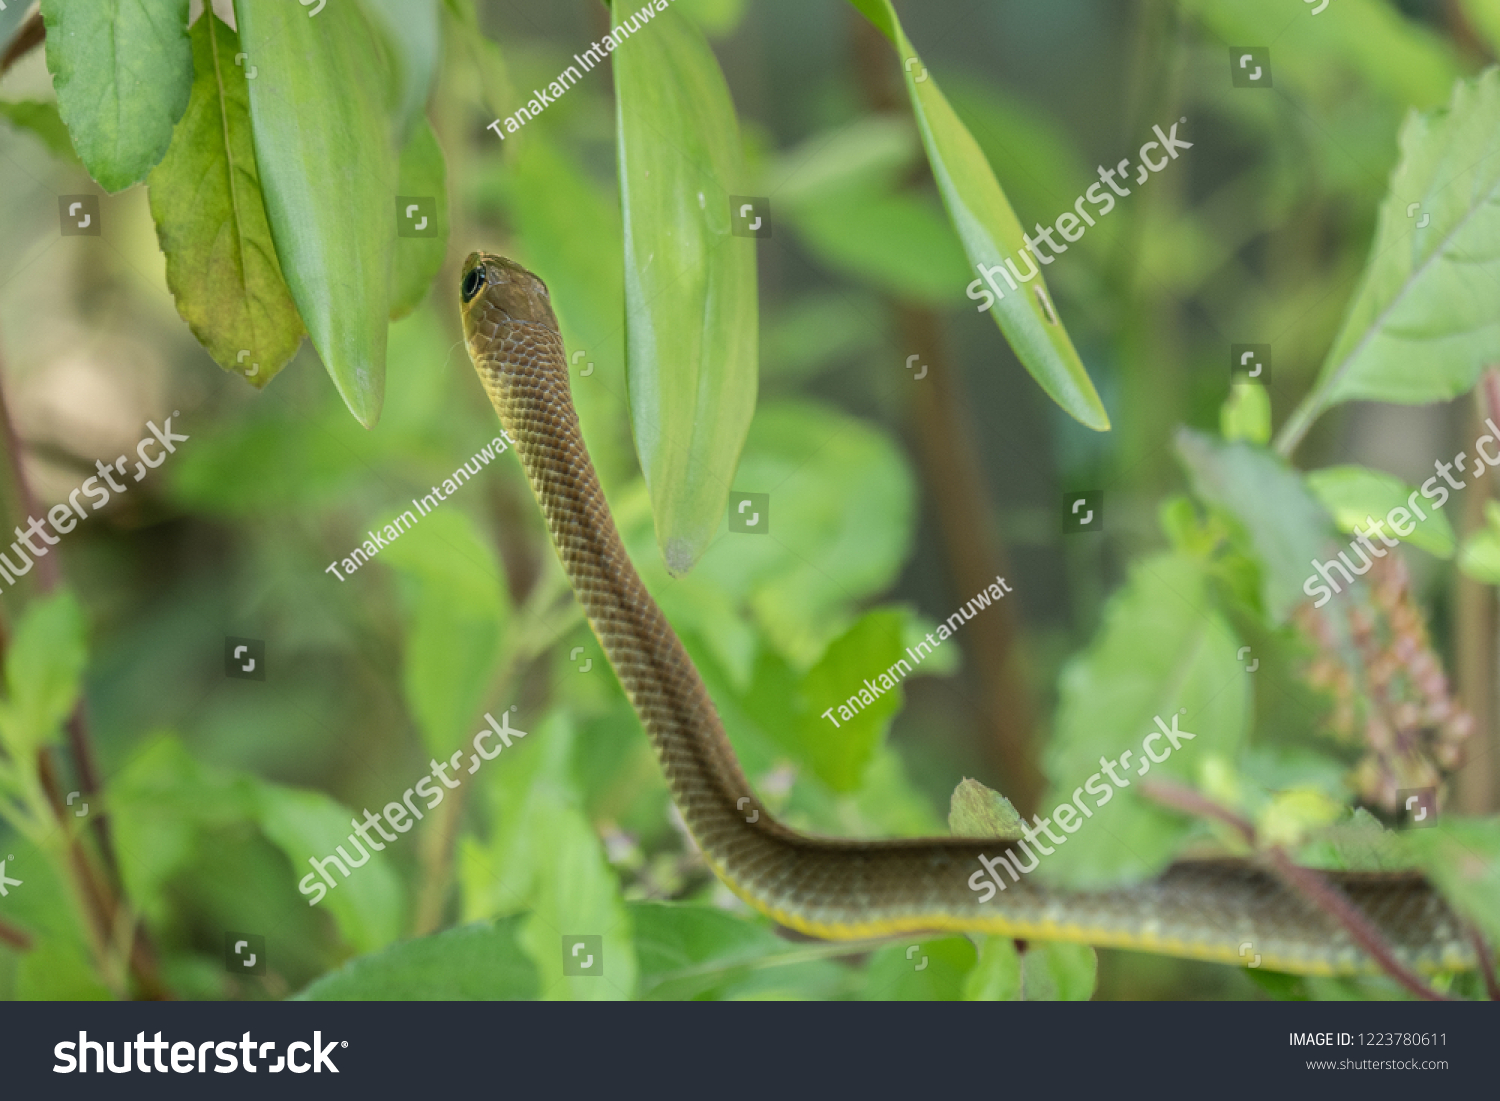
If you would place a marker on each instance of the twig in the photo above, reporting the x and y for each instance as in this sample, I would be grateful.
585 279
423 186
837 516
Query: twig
31 35
16 937
1486 963
1309 883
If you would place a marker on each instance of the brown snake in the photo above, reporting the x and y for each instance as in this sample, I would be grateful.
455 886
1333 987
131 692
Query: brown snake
841 889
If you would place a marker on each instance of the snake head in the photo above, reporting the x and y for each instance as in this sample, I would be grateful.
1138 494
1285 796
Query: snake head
501 302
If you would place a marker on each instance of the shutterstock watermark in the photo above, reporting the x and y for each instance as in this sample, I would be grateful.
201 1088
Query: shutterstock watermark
402 816
1072 225
64 517
898 672
1400 519
1072 820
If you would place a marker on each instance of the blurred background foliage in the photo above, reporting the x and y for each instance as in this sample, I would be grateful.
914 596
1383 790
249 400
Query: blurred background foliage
894 497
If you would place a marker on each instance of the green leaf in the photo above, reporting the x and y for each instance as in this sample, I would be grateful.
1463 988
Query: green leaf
459 613
1353 494
997 975
329 179
976 811
1283 521
839 749
43 672
574 891
122 70
1422 324
1053 972
703 952
419 259
1480 558
913 256
990 231
1484 17
920 970
308 825
211 221
41 118
473 963
1246 414
1164 651
1337 53
411 31
690 294
1462 857
843 503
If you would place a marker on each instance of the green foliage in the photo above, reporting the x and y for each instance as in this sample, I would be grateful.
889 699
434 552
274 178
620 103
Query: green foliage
482 961
1352 494
1420 297
417 259
690 296
976 811
334 239
41 118
1480 558
43 673
1164 650
1246 414
122 70
1053 972
211 221
990 231
459 615
1284 524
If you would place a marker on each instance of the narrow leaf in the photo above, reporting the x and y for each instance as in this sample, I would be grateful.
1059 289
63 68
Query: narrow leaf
1427 294
211 221
690 295
43 671
990 232
422 214
122 70
328 172
411 31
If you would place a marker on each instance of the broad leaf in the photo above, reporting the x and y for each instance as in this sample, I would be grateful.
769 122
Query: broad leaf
459 608
1164 653
478 962
997 975
1462 857
702 952
1282 520
1053 972
211 221
690 295
976 811
990 232
1480 558
1354 494
41 118
308 825
920 970
122 70
44 665
329 178
1427 294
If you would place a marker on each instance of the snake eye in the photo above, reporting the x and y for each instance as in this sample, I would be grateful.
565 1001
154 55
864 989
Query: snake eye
472 283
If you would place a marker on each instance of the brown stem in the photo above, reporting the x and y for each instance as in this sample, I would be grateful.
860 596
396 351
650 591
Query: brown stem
31 35
1311 884
1486 960
1326 896
1474 641
16 937
954 480
437 866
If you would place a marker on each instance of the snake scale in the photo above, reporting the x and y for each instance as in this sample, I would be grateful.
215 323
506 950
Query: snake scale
844 889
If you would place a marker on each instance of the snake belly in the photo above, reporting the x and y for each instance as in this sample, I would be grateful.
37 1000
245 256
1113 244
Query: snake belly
1221 909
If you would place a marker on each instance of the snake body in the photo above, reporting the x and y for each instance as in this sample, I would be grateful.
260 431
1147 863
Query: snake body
1222 909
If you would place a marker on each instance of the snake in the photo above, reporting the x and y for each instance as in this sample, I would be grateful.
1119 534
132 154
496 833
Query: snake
1227 909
